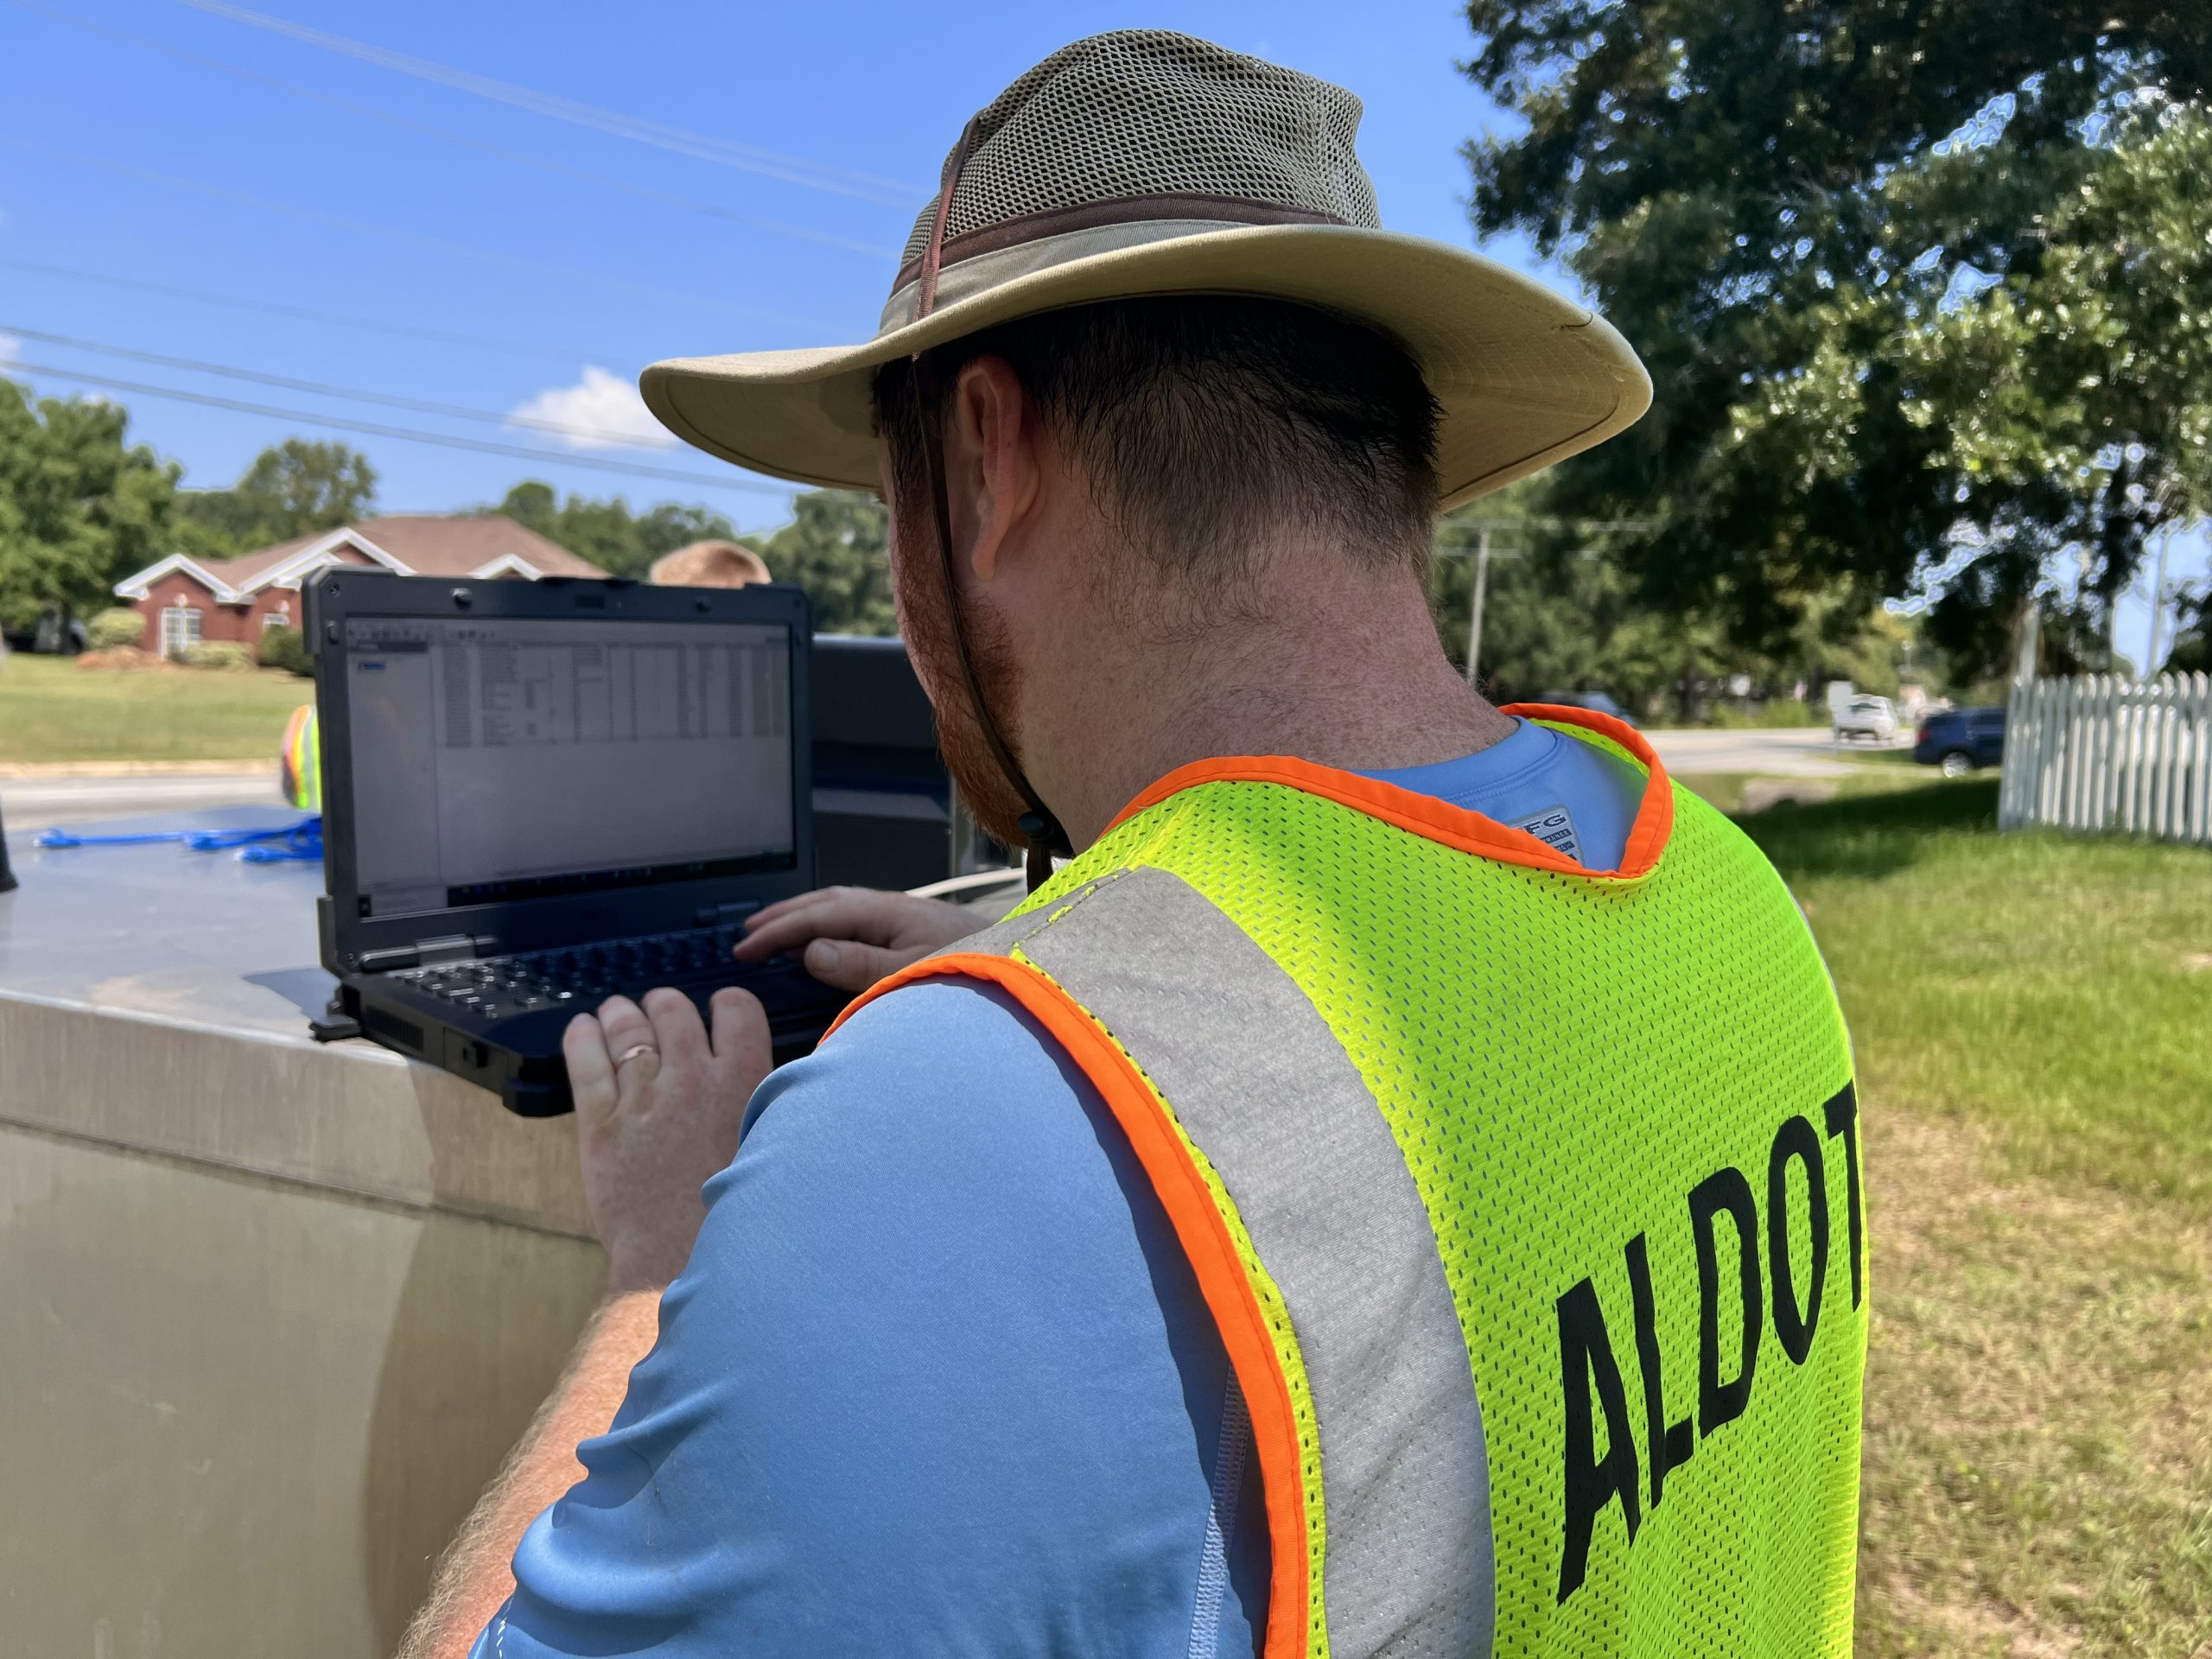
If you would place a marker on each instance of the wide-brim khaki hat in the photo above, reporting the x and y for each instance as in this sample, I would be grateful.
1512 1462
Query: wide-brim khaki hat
1145 163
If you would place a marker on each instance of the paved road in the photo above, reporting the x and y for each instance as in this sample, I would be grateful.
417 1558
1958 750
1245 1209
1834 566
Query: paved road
28 804
1801 751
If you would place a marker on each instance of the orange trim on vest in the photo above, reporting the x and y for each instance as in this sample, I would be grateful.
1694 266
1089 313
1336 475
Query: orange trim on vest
1206 1242
1435 820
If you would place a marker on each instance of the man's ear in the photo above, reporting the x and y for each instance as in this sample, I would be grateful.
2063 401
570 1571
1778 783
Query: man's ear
991 458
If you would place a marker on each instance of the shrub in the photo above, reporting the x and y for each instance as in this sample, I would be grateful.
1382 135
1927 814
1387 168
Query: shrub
1774 712
113 628
285 648
1790 711
219 654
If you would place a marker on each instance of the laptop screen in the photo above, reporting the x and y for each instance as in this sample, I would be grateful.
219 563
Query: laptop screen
498 759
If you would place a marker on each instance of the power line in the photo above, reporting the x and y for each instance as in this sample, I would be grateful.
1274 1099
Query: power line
723 152
323 389
272 307
393 233
437 440
775 227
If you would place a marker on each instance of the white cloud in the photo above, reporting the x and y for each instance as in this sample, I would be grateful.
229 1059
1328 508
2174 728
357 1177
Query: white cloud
10 348
601 412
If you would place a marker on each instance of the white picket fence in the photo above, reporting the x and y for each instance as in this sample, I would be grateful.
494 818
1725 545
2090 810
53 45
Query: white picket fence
2100 752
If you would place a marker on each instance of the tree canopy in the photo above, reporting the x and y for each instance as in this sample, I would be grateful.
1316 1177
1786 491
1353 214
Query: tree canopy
79 506
298 488
837 547
607 532
1924 288
1564 613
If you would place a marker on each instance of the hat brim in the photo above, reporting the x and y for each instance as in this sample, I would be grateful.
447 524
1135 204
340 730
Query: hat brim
1525 377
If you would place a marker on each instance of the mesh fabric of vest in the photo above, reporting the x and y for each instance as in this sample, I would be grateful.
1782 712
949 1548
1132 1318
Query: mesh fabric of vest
1563 1061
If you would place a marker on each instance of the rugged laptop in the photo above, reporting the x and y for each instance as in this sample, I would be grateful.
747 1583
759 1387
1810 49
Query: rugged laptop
536 794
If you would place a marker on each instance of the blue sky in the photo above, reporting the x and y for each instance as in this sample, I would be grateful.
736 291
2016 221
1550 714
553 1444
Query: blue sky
763 166
124 159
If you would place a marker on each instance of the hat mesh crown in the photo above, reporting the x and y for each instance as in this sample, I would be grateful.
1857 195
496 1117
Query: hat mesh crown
1148 112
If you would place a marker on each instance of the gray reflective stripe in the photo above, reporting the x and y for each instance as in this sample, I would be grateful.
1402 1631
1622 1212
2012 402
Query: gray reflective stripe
1263 1088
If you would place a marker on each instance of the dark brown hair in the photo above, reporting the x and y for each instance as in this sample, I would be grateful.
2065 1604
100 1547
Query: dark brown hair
1206 422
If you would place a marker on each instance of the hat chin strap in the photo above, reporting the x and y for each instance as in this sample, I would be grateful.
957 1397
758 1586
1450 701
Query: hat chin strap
1037 825
1039 828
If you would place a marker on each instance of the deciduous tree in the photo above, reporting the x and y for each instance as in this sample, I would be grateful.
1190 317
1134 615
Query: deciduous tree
79 506
295 488
606 531
837 547
834 547
1924 288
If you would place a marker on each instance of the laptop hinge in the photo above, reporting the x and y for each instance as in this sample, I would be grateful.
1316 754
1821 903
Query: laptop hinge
424 953
727 915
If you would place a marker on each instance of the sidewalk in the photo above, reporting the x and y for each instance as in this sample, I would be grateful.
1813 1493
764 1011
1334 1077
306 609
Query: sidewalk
133 768
40 798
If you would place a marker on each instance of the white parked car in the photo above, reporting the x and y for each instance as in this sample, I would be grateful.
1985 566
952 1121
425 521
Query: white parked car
1872 718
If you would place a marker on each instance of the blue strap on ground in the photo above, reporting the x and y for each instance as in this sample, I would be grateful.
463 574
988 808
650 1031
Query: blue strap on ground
301 842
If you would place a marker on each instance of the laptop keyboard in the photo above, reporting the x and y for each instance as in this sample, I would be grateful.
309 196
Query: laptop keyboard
582 977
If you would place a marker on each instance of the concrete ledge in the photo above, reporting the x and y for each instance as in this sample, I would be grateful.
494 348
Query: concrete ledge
350 1117
251 1412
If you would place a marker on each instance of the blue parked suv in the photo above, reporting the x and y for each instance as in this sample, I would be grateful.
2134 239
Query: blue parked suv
1961 738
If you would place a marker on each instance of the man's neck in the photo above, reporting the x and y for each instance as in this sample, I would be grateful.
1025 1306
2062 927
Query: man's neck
1315 658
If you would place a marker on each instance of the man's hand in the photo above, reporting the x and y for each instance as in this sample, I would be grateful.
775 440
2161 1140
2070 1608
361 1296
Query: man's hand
657 1113
855 936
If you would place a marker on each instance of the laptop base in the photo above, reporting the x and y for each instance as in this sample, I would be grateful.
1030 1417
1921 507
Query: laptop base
517 1055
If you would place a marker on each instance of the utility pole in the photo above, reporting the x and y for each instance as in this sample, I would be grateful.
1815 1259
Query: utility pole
1474 616
2027 641
1483 530
2157 607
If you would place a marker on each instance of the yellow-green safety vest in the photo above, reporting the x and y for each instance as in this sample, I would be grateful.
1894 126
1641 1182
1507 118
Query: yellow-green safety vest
1526 1197
299 763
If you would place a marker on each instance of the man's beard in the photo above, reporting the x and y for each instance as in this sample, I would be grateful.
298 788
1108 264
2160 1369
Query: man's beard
917 585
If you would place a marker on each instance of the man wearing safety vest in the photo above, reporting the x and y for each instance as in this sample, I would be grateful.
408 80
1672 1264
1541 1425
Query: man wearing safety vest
1395 1189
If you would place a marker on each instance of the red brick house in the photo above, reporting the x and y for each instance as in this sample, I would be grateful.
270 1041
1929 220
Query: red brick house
185 601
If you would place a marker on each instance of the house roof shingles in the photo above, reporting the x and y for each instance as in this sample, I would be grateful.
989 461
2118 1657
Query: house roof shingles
429 544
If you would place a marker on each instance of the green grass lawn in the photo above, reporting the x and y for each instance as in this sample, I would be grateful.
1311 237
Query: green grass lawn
2032 1018
2056 990
52 710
